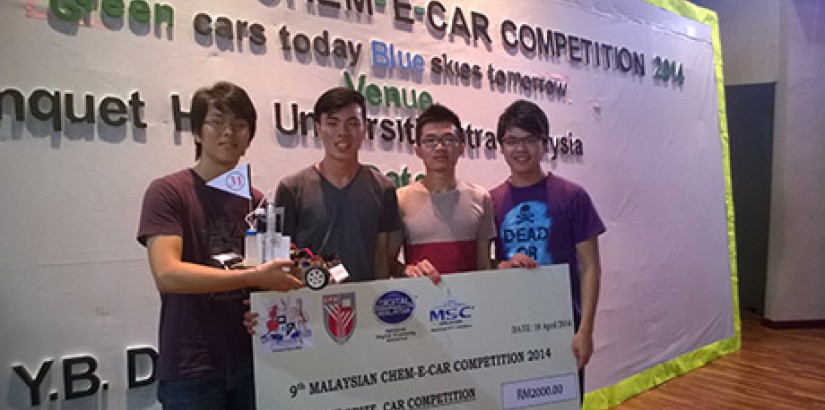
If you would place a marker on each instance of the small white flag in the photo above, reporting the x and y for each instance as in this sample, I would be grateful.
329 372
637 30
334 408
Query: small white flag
235 181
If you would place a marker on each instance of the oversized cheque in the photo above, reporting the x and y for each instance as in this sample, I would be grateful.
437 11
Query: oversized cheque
479 340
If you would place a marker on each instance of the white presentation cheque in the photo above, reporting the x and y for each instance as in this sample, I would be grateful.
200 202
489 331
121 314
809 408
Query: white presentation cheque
480 340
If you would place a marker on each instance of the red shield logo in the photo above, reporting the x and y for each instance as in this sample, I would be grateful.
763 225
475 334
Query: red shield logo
339 316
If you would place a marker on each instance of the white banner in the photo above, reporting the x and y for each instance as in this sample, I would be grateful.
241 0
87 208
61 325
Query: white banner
480 340
95 103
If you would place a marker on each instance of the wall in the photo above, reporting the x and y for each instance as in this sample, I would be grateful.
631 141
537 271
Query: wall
796 262
750 34
780 41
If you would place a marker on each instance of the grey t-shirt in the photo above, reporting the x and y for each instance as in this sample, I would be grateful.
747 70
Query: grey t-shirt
343 221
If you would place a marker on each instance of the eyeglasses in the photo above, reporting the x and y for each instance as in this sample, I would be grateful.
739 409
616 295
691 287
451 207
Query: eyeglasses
528 141
220 125
432 141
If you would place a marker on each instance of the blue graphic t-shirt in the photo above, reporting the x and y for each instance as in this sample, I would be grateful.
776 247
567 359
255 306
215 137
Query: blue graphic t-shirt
545 221
525 229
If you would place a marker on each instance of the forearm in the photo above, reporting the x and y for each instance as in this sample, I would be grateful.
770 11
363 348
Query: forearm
382 270
590 286
397 269
173 275
590 268
383 260
185 277
483 254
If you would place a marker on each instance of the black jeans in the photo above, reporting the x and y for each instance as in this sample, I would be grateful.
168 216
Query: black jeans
222 389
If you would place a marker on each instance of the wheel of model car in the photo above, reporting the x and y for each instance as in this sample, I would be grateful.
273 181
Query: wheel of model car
316 278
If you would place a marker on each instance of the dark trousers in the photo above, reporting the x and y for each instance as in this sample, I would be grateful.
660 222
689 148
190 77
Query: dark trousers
223 389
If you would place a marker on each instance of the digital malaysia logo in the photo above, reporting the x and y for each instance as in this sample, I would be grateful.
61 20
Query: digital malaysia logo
339 316
452 314
393 309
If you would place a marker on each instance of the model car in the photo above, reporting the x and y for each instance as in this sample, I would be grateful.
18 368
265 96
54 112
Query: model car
311 268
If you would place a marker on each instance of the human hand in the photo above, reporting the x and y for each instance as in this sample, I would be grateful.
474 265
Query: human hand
519 260
250 319
582 348
424 268
275 275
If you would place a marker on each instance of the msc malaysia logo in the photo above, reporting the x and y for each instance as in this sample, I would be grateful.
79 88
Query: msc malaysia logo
339 316
452 314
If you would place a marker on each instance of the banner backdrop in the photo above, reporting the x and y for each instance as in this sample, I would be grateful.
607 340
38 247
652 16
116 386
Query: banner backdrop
95 97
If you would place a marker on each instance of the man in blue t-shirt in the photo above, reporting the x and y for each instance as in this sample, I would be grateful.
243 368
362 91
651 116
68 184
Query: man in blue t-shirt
543 219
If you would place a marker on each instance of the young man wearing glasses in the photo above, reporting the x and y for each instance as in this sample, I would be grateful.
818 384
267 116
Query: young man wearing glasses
543 219
205 355
447 223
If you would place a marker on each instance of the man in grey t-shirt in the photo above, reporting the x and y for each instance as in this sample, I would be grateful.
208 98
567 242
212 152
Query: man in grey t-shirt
339 206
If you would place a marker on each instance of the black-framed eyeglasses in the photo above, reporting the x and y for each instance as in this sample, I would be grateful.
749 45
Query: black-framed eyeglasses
528 141
221 124
432 141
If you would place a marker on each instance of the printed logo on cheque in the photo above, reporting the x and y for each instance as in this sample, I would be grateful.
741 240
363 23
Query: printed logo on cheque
287 325
452 314
394 307
339 316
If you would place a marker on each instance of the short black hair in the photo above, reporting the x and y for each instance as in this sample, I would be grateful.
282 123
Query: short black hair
226 97
526 115
335 99
437 113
